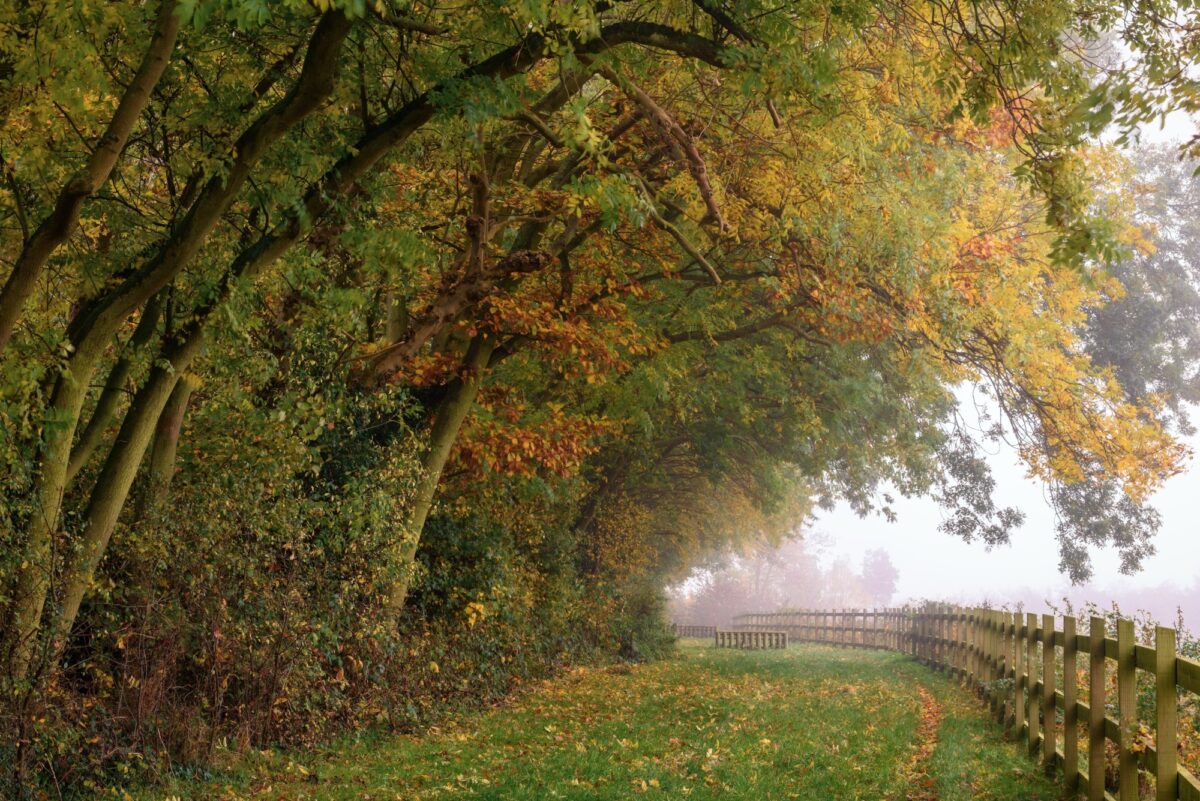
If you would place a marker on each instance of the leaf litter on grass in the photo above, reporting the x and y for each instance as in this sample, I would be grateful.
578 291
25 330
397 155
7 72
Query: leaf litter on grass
807 723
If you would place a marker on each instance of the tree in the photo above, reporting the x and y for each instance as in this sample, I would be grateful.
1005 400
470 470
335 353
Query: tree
879 576
643 284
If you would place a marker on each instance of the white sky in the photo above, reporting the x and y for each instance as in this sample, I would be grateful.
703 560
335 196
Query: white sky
938 566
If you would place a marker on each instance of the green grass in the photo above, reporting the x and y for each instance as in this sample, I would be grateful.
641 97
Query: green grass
806 723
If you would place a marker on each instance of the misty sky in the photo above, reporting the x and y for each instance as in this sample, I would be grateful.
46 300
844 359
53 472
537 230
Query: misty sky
938 566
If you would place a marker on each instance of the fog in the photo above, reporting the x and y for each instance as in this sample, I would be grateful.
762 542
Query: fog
1022 574
1025 572
830 564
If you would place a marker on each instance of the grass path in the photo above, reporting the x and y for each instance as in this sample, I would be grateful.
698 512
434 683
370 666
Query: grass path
806 723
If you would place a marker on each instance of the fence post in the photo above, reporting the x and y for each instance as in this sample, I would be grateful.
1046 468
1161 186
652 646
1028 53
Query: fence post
968 621
1003 624
984 674
969 652
956 640
913 640
1070 712
980 658
931 635
985 655
1166 704
1007 639
994 665
943 637
981 666
950 654
1019 676
1096 681
1000 640
1049 718
934 635
1030 662
1127 784
988 672
950 633
952 651
918 633
923 635
989 667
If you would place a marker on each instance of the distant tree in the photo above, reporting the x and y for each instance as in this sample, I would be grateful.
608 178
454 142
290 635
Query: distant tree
879 576
844 589
789 576
1149 334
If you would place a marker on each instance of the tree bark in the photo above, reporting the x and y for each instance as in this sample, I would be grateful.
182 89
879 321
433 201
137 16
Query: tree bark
120 468
161 469
110 397
447 424
61 222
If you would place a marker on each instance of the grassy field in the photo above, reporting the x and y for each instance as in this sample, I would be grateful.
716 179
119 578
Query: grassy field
808 723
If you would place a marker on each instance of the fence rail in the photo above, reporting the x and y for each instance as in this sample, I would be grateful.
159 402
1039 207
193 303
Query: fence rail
1027 670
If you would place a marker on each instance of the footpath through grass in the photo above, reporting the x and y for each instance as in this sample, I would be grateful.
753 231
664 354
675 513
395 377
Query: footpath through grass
808 723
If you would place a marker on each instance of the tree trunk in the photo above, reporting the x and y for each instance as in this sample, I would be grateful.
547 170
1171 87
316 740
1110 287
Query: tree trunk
110 397
447 423
91 331
61 222
316 82
37 567
166 443
148 411
396 323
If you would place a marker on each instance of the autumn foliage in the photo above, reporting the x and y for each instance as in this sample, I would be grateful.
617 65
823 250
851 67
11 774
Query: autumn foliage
405 351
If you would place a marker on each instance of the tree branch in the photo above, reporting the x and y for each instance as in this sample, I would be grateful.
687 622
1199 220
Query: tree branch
61 222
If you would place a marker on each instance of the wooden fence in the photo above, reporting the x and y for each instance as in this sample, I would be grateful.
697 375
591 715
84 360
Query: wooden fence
855 628
685 630
1028 671
750 639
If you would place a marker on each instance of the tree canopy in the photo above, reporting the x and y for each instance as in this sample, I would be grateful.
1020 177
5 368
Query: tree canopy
337 333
